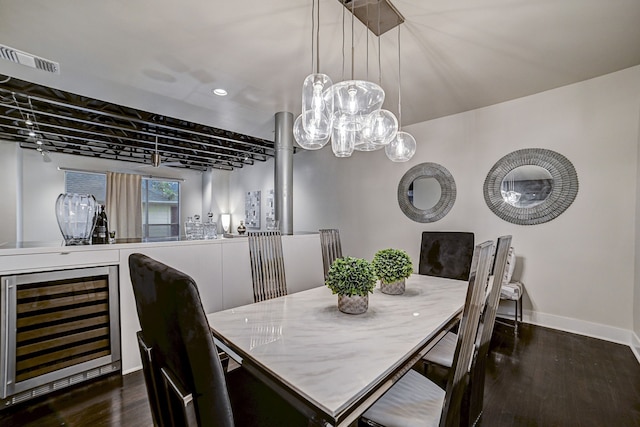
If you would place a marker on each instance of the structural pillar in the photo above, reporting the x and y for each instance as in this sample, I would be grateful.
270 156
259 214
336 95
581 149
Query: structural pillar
283 179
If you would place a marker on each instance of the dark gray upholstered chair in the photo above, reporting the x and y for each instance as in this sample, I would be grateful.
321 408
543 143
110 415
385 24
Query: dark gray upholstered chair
417 401
267 265
446 254
331 247
183 373
442 353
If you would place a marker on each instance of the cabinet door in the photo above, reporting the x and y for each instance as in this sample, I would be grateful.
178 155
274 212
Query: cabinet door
237 286
302 262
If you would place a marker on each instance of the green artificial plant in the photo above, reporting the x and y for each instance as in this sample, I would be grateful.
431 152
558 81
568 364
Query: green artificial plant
392 265
351 276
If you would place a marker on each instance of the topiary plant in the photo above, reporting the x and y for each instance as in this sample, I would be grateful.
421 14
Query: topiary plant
351 276
392 265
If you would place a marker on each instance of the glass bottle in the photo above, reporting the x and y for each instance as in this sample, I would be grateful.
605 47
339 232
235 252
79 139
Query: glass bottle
188 228
103 229
198 229
210 228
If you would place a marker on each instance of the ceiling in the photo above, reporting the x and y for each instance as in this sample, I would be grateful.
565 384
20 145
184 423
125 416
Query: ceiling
165 57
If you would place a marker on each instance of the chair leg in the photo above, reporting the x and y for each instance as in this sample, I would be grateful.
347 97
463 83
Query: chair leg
515 317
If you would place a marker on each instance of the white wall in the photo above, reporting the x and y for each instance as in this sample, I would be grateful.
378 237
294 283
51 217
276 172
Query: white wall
578 269
9 179
43 182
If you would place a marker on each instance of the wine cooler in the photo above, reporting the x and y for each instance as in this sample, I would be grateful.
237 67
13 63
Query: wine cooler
57 328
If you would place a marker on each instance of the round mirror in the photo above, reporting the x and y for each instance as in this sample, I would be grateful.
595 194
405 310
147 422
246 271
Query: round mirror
424 192
526 186
427 192
531 186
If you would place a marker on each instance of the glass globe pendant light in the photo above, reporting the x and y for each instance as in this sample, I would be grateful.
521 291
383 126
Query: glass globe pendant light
305 139
312 128
380 126
317 109
343 141
403 146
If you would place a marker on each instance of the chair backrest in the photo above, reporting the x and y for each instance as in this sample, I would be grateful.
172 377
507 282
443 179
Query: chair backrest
465 346
446 254
486 328
267 265
331 247
176 331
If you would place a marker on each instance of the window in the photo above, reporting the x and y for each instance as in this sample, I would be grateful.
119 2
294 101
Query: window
160 201
160 208
87 183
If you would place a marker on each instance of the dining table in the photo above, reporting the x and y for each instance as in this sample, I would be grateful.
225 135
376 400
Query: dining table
330 365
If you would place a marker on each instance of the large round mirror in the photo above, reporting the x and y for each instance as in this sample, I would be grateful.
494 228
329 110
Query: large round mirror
531 186
427 192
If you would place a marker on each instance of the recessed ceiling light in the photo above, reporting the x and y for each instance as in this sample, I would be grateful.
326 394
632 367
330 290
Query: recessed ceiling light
39 142
220 92
32 133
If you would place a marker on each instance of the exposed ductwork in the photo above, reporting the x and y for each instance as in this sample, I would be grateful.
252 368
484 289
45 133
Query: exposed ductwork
63 122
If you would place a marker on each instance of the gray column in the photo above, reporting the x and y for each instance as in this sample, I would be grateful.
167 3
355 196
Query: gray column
283 179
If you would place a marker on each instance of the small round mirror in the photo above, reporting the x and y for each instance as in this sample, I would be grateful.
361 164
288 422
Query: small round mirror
424 192
526 186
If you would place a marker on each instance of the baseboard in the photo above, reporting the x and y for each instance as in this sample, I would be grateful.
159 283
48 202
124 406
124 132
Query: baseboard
635 345
132 370
580 327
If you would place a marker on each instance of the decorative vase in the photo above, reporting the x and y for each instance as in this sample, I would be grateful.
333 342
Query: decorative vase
355 304
241 228
393 288
76 215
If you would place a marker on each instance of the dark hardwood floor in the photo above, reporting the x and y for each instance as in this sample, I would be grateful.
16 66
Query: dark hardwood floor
542 377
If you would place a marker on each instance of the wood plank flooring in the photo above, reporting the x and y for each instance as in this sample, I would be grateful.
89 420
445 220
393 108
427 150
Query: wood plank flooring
541 377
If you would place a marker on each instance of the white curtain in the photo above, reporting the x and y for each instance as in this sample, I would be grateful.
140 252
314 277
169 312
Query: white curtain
124 204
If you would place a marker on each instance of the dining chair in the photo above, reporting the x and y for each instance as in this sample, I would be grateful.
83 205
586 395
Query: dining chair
443 352
267 265
416 400
183 374
512 291
331 247
446 254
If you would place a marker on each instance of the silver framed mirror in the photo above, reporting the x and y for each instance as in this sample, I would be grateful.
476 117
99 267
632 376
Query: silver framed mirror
426 192
531 186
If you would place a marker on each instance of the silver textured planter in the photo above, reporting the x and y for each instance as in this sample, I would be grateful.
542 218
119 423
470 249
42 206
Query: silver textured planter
394 288
353 304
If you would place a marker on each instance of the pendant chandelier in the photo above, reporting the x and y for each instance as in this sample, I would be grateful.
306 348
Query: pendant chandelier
349 113
403 146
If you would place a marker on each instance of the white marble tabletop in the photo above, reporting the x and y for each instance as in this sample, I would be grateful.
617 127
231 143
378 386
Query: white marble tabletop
330 359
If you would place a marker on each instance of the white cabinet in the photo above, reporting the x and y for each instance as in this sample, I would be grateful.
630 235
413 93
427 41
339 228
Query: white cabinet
220 268
302 262
237 285
202 262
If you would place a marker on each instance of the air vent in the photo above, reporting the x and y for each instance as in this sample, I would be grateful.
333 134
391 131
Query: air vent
28 59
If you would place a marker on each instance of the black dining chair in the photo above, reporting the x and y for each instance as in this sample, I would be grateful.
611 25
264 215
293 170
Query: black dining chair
446 254
415 400
441 355
185 380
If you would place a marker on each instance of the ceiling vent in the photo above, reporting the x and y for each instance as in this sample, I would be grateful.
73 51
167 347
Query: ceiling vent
28 59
